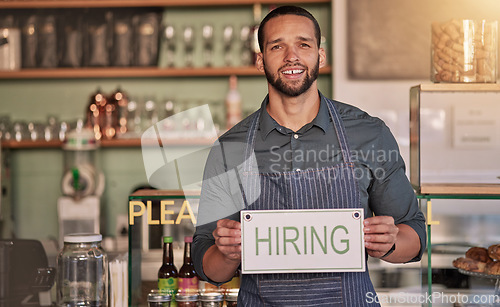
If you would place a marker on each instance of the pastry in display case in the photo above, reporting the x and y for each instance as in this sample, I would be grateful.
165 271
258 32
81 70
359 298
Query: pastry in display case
477 259
481 262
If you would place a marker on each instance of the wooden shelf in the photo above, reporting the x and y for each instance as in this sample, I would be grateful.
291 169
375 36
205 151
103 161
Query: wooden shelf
459 189
170 142
24 4
145 193
134 72
113 143
31 144
459 87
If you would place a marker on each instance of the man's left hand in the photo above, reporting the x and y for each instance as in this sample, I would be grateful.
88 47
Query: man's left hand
380 235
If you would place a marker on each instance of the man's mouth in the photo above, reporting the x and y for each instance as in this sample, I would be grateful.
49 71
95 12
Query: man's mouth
293 72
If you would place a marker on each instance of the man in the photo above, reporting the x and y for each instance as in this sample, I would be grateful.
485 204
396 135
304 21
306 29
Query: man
304 151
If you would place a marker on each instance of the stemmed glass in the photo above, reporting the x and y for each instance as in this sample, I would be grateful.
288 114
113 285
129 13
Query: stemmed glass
227 36
245 41
188 38
169 36
208 43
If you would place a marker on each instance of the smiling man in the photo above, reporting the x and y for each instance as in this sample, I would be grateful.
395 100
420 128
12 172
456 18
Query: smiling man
264 163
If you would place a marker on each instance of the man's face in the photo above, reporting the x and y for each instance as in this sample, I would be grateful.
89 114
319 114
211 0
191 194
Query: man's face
290 57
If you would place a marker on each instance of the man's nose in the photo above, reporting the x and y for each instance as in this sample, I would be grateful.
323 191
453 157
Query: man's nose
291 55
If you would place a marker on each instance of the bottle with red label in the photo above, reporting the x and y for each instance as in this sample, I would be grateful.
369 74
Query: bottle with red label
188 279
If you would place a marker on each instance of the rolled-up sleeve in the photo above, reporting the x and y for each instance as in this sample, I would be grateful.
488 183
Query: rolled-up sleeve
219 199
391 192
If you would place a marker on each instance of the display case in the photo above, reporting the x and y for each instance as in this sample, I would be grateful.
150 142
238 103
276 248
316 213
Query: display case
455 138
454 167
456 223
152 215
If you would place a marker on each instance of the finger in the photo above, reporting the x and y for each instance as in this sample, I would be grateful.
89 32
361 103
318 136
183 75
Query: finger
227 223
381 229
382 238
226 232
228 241
377 220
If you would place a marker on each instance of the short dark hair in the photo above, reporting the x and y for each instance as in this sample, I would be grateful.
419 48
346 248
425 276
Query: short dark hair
288 10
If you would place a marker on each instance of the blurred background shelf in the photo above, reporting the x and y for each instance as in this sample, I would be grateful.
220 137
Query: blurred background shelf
113 143
134 72
144 3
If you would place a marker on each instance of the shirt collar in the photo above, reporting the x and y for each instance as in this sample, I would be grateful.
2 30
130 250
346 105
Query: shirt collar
268 124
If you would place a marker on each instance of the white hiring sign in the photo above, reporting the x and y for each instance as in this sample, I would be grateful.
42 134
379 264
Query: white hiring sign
300 241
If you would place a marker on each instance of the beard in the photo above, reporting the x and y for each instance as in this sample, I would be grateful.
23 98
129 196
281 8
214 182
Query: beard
297 87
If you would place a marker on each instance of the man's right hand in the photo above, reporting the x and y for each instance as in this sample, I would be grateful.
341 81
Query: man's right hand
228 239
222 259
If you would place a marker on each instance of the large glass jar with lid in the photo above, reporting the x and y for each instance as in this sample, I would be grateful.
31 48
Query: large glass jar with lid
82 271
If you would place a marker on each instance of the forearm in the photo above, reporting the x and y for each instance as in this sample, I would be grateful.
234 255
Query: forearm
217 266
407 245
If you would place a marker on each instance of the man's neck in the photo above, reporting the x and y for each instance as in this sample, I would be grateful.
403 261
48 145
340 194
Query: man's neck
294 112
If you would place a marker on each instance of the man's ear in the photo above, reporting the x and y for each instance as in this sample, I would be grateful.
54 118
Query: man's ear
322 58
259 62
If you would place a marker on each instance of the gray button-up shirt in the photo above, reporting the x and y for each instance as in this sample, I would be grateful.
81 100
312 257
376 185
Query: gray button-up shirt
379 168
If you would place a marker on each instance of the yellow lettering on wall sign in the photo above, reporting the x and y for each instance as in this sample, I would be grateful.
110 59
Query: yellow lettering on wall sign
133 214
185 212
150 214
164 211
190 215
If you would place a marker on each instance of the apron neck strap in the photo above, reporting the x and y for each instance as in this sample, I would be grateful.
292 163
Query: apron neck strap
250 142
337 124
340 130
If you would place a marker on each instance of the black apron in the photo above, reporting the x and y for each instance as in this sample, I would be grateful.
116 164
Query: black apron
326 188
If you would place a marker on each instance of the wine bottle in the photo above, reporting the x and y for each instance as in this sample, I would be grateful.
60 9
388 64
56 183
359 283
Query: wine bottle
188 279
167 274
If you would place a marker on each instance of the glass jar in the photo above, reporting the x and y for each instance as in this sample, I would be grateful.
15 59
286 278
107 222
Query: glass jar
187 298
464 51
211 299
159 298
232 297
82 271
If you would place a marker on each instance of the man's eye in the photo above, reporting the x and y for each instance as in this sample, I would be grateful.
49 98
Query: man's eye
275 47
305 45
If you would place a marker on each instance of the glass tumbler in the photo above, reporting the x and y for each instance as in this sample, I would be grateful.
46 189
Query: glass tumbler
82 271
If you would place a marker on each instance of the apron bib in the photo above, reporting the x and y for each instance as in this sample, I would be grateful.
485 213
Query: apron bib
324 188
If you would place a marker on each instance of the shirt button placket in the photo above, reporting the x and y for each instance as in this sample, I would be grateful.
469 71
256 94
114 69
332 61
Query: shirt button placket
294 164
